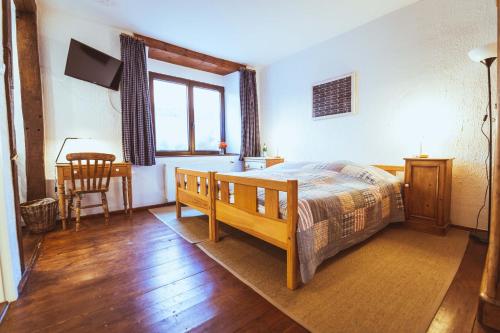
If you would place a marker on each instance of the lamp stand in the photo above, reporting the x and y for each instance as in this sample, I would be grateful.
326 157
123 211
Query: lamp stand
59 154
483 236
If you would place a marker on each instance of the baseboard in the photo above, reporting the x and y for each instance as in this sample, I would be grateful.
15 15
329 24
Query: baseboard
461 227
122 211
3 310
29 266
135 209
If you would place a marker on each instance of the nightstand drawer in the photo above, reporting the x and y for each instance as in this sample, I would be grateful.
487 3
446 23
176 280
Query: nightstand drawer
260 163
119 170
254 165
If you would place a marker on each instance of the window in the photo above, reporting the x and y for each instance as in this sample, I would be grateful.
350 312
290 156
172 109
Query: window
188 115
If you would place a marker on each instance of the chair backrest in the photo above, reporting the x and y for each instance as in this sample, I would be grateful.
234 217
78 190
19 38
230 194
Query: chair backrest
90 169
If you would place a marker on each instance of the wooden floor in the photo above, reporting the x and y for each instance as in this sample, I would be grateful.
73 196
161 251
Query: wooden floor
136 275
30 242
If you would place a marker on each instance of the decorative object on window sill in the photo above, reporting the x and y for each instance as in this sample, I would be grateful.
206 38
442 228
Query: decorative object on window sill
222 148
334 97
264 150
421 154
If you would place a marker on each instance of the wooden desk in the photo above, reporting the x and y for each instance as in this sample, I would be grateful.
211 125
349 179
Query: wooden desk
123 170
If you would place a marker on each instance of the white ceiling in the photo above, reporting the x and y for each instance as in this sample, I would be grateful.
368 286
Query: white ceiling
254 32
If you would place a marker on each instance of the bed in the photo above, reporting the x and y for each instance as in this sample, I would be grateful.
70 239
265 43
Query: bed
194 189
311 210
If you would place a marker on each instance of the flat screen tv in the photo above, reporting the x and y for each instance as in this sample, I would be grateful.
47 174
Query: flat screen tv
88 64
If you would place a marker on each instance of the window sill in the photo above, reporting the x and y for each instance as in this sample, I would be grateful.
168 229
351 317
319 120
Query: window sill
160 155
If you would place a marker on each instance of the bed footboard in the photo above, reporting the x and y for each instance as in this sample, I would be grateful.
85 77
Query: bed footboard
242 212
194 189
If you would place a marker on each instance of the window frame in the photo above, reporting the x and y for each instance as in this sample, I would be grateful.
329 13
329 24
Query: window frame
190 84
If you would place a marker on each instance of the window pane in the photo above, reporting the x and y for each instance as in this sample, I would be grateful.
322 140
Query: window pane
207 109
171 116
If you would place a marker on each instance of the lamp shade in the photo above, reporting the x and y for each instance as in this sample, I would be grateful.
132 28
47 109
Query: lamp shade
484 52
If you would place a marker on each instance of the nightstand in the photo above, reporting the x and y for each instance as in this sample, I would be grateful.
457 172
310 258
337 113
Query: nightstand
427 191
257 163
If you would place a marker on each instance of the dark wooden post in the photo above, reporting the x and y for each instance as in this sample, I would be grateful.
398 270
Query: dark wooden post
31 96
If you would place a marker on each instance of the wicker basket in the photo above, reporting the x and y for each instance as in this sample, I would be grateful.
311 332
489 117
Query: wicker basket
40 215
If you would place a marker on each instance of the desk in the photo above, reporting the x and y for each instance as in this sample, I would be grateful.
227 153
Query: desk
123 170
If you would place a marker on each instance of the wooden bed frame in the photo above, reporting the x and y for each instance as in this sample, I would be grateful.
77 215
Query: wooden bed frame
242 213
194 189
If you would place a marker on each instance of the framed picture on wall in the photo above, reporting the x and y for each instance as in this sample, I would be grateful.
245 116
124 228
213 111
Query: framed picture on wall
334 97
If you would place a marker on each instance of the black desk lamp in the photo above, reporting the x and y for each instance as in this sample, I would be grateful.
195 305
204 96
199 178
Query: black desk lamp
62 147
59 154
487 56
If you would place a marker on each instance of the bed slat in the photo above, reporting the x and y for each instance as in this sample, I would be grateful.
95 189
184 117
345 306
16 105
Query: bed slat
224 192
192 183
203 186
245 197
272 203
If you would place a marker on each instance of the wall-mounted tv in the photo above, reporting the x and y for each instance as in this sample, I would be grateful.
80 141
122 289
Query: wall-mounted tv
88 64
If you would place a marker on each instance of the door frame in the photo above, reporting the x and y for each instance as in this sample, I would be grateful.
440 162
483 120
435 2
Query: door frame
9 96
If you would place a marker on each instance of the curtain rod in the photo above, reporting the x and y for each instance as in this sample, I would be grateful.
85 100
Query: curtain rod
131 36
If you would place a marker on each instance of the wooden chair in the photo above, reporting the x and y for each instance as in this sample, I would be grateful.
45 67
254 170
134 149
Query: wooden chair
93 170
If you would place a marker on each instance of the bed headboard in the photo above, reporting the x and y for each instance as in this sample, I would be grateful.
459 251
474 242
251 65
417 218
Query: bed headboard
392 169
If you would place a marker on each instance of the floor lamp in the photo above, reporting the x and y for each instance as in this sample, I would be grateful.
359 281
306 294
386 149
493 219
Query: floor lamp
487 56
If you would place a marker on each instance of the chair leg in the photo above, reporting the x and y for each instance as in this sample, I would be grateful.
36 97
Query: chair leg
70 208
78 205
105 207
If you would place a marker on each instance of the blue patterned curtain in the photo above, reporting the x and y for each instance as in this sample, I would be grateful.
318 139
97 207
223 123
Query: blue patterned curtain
250 137
137 122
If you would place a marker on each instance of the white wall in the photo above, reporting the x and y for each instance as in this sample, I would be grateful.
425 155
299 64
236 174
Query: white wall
416 84
18 117
10 266
74 108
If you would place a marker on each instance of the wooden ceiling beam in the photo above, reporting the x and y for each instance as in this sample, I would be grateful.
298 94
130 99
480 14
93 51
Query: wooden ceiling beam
184 57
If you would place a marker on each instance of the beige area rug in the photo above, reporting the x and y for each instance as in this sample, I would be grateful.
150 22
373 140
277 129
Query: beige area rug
193 226
393 282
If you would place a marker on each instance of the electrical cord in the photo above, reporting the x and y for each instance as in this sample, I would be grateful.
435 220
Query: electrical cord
111 102
485 118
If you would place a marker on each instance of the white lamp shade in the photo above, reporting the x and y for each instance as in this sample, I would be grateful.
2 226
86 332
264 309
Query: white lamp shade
484 52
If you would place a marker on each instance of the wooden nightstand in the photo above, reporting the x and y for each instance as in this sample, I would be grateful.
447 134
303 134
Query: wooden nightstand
427 191
257 163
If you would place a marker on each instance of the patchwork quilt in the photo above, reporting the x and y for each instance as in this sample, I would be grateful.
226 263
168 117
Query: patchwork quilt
340 204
